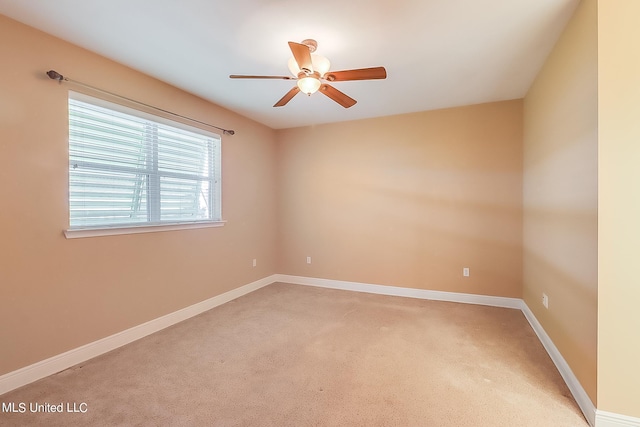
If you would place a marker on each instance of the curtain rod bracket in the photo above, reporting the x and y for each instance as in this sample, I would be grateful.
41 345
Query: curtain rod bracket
54 75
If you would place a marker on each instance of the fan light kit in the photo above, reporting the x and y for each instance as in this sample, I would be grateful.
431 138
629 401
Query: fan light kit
310 69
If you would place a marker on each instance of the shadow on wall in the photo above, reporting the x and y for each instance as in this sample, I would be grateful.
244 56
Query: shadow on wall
409 231
560 259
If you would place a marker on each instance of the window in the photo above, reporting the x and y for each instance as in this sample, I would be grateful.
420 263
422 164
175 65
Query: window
128 168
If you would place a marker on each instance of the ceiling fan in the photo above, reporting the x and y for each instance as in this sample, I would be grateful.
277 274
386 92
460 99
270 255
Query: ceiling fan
311 71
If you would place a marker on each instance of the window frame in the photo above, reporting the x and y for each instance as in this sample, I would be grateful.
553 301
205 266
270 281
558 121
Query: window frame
156 226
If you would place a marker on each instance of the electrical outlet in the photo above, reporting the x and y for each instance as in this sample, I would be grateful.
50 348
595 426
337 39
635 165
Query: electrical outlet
308 260
465 272
545 300
255 262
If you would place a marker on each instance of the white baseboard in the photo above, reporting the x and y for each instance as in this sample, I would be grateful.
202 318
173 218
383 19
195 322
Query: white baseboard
402 292
610 419
63 361
583 400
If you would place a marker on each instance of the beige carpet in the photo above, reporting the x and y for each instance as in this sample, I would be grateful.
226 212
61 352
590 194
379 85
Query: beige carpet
290 355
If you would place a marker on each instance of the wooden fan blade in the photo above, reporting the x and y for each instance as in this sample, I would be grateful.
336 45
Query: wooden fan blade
302 56
236 76
283 101
359 74
341 98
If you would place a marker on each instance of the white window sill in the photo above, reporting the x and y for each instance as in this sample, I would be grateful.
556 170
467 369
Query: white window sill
79 233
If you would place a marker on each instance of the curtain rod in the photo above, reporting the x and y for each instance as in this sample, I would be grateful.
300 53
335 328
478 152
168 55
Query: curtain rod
54 75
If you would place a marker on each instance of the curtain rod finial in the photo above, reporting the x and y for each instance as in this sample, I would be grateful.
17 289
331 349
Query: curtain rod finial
229 132
54 75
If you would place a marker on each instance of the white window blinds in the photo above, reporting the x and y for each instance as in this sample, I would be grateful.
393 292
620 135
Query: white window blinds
134 169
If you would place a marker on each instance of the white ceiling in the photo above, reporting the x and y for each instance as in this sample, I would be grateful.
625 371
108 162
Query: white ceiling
438 53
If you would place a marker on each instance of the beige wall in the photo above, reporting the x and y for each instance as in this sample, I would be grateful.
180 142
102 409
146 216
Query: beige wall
406 200
58 294
560 197
619 207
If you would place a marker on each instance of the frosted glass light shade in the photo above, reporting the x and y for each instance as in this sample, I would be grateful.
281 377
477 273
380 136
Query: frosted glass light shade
309 85
319 63
293 67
